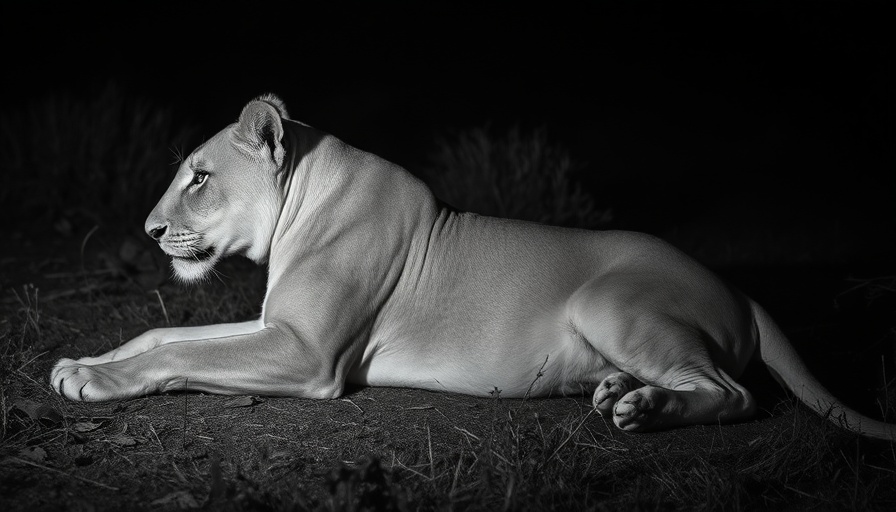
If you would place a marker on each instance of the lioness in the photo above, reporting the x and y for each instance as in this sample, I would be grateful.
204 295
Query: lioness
372 281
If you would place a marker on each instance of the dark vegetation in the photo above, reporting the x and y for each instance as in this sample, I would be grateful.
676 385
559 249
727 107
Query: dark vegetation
513 175
76 160
77 279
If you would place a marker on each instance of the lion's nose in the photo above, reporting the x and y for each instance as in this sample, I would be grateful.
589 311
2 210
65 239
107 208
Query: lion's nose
157 231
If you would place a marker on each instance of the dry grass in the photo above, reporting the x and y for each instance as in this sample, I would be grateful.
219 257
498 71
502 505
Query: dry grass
91 160
375 449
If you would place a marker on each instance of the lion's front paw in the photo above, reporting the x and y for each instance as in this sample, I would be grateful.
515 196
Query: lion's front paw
76 380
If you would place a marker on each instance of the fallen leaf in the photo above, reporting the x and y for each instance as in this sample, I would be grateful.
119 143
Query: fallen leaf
121 429
420 408
34 453
122 440
85 426
180 499
242 401
38 412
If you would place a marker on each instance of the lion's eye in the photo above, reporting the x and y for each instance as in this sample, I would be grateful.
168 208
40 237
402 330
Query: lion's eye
199 177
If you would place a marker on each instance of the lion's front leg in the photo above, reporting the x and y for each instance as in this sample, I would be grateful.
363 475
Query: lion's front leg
265 362
95 377
156 337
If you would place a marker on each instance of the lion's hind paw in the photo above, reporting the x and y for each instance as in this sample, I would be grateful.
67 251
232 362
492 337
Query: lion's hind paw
611 389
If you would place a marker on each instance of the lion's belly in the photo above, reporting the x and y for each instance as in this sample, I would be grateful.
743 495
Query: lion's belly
481 374
475 349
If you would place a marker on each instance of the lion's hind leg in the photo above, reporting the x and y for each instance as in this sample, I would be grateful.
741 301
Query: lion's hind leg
665 376
638 407
705 399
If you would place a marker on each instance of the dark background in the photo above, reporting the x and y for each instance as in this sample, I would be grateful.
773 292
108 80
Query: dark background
748 133
765 114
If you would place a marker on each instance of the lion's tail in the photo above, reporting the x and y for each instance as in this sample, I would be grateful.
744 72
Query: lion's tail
785 364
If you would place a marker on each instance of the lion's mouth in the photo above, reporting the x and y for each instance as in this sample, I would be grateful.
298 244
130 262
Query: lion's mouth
196 256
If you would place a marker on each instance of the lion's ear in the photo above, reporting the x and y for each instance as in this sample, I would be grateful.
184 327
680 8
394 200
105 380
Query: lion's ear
261 129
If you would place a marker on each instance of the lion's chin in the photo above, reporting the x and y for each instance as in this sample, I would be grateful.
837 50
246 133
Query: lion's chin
191 270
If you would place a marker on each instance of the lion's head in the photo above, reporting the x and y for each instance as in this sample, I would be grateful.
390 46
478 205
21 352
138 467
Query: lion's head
226 197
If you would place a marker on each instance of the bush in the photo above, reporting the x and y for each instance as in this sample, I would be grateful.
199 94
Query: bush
517 175
107 158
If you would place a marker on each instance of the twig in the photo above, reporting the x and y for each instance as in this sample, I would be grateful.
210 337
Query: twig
26 363
539 375
460 460
31 309
76 477
154 434
880 468
43 387
402 466
501 457
162 303
885 407
2 414
419 408
426 408
467 432
590 412
432 469
180 473
801 493
84 245
61 294
349 400
183 435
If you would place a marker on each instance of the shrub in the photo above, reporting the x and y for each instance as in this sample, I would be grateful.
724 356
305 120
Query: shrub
105 157
517 175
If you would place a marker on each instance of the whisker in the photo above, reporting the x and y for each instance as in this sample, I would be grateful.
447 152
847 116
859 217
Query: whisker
178 155
217 275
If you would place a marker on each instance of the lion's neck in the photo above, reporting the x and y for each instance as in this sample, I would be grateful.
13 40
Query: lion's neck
338 199
302 145
316 176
